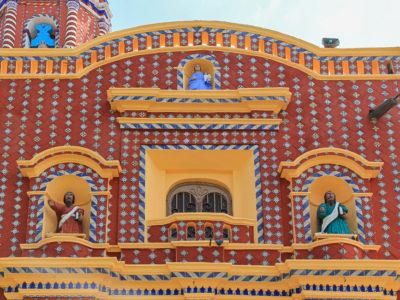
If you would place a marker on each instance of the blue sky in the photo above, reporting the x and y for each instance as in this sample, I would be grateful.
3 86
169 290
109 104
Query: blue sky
357 23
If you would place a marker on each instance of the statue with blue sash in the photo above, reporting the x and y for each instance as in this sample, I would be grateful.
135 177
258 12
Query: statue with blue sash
199 80
332 216
44 37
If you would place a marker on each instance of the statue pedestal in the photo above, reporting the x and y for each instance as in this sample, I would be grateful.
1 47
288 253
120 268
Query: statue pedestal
78 235
321 236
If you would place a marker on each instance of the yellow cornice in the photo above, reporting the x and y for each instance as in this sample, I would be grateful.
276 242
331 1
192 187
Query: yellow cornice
206 121
115 265
243 106
69 154
320 156
334 240
201 216
82 70
383 51
347 295
65 239
180 49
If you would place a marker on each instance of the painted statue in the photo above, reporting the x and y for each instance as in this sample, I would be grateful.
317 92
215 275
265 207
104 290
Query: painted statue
69 216
199 80
44 36
332 216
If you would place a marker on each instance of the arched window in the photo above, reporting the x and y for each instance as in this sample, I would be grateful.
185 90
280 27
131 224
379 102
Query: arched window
173 233
199 197
215 202
191 232
227 234
183 202
208 234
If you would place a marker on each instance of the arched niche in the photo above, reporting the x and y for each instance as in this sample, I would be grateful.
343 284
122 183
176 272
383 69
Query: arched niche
344 195
56 190
341 171
206 66
68 168
30 31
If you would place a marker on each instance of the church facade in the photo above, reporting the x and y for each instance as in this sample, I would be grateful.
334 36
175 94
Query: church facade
193 160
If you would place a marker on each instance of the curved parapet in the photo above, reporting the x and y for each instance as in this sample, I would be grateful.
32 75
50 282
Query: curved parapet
345 158
321 63
69 154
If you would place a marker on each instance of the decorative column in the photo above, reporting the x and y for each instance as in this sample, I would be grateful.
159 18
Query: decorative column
10 24
72 24
104 26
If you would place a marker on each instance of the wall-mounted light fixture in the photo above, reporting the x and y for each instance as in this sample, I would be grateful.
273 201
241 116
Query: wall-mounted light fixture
376 113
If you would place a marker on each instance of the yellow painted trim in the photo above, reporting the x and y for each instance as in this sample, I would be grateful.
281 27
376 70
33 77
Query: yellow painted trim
232 270
234 121
345 295
356 163
387 51
84 71
201 216
65 154
244 106
112 262
245 246
334 240
64 239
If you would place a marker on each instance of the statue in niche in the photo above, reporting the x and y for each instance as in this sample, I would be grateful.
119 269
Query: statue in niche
44 37
199 80
69 216
332 216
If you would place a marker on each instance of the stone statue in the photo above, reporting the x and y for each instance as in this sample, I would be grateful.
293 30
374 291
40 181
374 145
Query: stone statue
69 216
199 80
44 36
332 216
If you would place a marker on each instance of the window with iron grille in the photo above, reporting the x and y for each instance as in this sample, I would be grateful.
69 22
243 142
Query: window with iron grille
199 197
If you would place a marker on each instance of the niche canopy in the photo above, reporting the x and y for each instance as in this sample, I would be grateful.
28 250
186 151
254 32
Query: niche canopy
268 101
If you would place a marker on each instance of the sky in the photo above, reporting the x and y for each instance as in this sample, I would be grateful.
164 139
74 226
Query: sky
357 23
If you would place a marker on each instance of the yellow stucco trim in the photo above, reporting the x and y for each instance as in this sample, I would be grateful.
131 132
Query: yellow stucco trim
69 154
389 51
346 295
84 71
334 240
114 265
323 52
351 160
64 239
234 121
119 266
244 106
201 216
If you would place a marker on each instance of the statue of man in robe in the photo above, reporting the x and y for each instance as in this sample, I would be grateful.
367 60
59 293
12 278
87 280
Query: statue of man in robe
199 80
332 216
69 216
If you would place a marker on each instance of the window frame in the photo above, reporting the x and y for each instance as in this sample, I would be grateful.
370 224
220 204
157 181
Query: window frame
199 190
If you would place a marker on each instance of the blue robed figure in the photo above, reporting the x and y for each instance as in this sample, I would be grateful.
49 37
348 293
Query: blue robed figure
199 80
332 216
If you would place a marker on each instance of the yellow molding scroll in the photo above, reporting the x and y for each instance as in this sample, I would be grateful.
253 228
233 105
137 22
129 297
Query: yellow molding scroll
281 102
69 154
337 156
